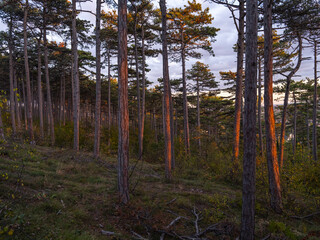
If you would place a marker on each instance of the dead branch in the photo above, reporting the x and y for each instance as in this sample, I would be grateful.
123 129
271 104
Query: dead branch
138 236
107 233
266 237
306 216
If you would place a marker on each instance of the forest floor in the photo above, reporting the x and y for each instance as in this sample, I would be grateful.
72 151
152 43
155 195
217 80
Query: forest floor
52 193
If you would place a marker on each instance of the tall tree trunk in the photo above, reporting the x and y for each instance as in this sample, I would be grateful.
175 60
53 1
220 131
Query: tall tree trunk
64 100
40 94
238 100
75 79
15 85
26 64
185 99
46 66
315 102
173 162
140 135
259 108
271 145
1 127
109 100
249 131
286 99
294 125
143 78
166 86
24 105
98 83
198 116
12 102
307 122
123 110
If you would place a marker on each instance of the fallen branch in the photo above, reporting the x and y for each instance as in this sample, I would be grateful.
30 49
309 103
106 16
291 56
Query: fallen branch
138 236
306 216
266 237
107 233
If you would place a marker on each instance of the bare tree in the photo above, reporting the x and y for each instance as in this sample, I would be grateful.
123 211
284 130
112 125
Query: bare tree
249 131
123 110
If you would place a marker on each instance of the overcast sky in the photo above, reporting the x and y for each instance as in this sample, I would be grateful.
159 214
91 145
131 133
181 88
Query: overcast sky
225 57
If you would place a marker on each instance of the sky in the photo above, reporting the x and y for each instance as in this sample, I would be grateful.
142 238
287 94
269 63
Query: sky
225 57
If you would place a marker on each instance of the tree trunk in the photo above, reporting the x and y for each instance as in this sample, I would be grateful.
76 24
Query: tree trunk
185 100
123 119
64 100
12 102
143 110
198 116
238 99
286 99
294 124
1 127
315 102
249 131
26 64
40 95
24 105
271 145
259 109
109 100
76 85
140 134
98 83
166 86
15 85
46 65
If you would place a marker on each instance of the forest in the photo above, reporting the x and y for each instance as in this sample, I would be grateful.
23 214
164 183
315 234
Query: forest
118 128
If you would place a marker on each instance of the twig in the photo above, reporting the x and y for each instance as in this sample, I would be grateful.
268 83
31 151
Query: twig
107 233
173 222
171 201
266 237
138 236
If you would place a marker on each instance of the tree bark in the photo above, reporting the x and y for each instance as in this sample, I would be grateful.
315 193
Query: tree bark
24 105
26 64
185 99
249 133
271 145
238 99
198 116
259 109
15 85
40 95
286 99
98 83
315 102
109 100
143 107
1 126
12 102
76 85
166 101
123 119
294 125
46 65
